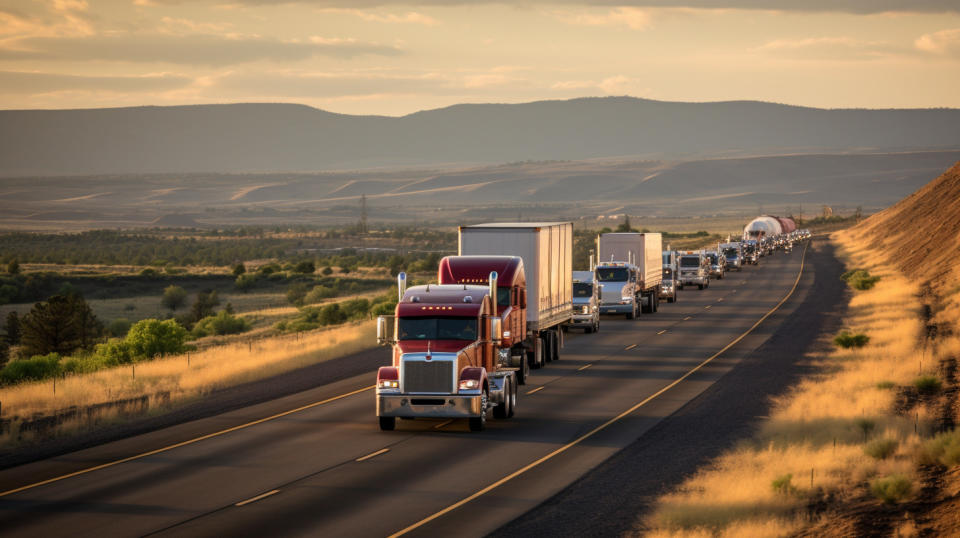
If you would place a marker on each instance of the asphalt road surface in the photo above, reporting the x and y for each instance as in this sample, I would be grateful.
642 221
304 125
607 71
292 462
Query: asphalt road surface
323 468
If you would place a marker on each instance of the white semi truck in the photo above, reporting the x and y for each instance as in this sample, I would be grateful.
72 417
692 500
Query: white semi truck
629 272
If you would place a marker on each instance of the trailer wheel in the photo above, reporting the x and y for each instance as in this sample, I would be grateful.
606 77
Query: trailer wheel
513 400
548 345
524 370
477 424
554 346
699 286
387 424
588 329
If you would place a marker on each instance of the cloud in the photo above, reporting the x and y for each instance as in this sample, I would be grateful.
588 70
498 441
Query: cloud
944 42
845 6
197 49
631 17
615 85
409 17
28 83
829 48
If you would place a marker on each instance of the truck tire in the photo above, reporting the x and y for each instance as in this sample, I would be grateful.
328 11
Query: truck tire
478 424
554 346
505 409
699 286
549 343
588 329
513 401
387 424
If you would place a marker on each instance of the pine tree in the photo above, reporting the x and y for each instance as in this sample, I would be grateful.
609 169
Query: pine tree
13 329
61 325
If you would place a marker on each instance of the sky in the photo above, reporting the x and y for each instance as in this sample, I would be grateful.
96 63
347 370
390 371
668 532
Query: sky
395 58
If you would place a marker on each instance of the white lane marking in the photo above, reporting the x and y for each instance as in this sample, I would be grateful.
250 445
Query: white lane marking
258 497
374 455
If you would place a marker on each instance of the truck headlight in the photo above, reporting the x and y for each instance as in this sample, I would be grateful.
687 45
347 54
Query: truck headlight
626 300
469 384
389 384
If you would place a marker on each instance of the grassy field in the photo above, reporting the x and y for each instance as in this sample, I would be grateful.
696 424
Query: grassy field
834 436
188 376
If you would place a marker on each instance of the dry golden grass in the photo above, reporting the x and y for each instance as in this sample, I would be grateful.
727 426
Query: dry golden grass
822 425
207 370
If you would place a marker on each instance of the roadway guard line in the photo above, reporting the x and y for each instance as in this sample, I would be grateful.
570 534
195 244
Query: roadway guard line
258 497
183 443
373 454
606 424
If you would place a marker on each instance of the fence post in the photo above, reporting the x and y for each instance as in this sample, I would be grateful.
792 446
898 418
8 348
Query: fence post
133 368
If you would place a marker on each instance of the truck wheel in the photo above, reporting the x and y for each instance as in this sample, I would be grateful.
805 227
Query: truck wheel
548 345
632 314
588 329
503 410
554 346
513 400
699 286
477 424
596 326
387 424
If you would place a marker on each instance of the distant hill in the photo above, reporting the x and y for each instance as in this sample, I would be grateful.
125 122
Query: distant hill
290 138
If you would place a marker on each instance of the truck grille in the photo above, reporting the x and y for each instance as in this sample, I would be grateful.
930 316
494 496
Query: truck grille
433 376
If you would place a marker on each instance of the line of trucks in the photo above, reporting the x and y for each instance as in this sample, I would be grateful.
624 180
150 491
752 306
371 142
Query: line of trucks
501 306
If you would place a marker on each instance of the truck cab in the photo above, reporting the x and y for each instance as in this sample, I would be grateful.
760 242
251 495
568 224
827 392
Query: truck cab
670 284
751 251
619 289
694 269
716 263
447 359
733 253
586 302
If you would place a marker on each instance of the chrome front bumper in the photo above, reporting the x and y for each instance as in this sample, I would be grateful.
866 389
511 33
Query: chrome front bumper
429 405
616 308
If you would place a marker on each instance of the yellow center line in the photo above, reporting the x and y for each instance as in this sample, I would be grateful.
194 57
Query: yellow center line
631 346
442 424
708 306
661 332
374 454
720 300
258 497
181 444
606 424
584 367
686 318
538 389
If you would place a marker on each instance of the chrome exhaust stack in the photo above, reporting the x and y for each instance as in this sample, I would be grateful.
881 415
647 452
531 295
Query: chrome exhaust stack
401 285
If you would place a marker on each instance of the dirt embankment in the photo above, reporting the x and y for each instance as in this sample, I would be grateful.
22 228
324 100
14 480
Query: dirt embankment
920 236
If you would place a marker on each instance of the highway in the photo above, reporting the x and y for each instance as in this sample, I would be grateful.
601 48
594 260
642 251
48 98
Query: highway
315 463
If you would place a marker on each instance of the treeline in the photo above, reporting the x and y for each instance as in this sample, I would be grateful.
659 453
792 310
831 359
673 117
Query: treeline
108 247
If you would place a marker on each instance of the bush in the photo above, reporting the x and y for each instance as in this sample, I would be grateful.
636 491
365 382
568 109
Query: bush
35 368
149 272
119 327
881 449
296 293
327 271
245 282
239 269
784 486
846 339
943 449
891 489
318 293
174 297
885 385
860 279
114 352
305 267
927 384
4 353
150 338
220 324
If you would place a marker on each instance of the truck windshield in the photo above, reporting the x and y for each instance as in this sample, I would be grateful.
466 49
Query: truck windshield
690 261
612 274
437 329
712 258
582 289
730 252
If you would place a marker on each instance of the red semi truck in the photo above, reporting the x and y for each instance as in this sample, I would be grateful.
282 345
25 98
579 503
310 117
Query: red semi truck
461 347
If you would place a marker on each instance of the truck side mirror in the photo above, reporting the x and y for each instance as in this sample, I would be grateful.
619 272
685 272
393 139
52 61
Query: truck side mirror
522 299
385 330
496 330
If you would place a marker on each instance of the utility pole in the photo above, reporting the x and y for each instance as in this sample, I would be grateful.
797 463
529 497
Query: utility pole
363 213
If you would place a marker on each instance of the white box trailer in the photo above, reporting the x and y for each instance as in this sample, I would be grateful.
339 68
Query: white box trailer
547 252
644 250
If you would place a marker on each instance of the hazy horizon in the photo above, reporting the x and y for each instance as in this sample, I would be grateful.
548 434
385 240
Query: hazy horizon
380 57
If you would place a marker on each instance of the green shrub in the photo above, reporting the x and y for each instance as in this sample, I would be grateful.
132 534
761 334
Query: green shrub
319 293
296 293
881 449
35 368
305 267
119 327
114 352
149 272
885 385
150 338
174 297
846 339
327 271
943 449
860 279
784 486
891 489
245 282
927 384
222 323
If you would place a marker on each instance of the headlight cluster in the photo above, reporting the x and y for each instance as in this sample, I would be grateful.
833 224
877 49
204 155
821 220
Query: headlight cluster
469 384
389 384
